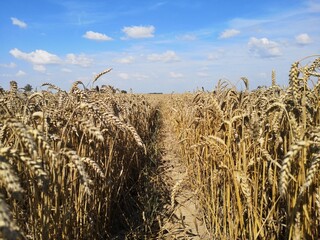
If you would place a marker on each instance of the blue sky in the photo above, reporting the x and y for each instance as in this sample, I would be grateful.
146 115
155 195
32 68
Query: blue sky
155 46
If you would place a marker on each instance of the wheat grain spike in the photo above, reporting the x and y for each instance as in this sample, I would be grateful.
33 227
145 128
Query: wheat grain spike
8 226
9 179
100 74
315 163
286 165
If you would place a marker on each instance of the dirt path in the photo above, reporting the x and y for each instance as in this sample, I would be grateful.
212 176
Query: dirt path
185 222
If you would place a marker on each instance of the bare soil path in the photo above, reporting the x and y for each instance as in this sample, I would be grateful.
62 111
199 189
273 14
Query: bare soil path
185 221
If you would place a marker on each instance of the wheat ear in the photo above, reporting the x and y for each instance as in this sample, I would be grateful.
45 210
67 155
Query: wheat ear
286 165
311 173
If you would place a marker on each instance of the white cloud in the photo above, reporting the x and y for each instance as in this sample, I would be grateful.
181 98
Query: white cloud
124 76
39 68
19 23
10 65
20 73
38 57
263 47
176 75
139 31
97 36
128 59
187 37
168 56
229 33
81 60
303 39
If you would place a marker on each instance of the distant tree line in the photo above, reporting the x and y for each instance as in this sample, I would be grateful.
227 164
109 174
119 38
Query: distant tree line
27 88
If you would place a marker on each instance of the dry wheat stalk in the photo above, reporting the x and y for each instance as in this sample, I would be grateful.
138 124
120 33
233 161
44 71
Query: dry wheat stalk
313 169
93 131
69 152
50 85
273 78
293 78
175 189
297 227
100 74
242 180
286 165
13 87
317 202
94 166
78 164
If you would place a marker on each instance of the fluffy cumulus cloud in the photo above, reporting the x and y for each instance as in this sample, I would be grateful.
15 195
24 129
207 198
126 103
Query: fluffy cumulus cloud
19 23
39 68
20 73
37 57
139 31
303 39
125 60
40 58
168 56
263 47
96 36
81 60
229 33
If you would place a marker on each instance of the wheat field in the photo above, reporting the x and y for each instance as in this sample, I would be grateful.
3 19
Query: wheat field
86 164
254 155
77 164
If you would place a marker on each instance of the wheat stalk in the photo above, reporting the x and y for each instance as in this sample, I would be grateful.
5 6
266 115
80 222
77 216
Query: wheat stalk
100 74
314 167
286 165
